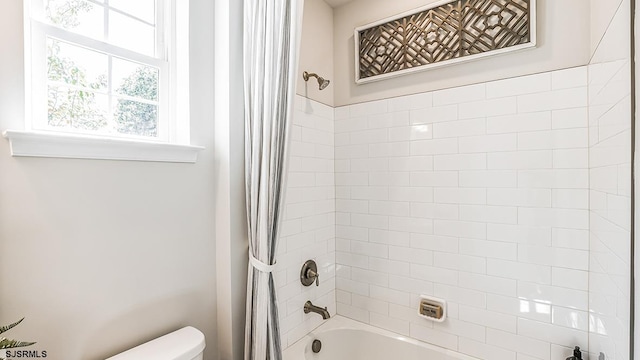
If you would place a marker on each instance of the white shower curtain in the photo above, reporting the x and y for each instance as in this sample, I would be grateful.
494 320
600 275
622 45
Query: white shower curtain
271 33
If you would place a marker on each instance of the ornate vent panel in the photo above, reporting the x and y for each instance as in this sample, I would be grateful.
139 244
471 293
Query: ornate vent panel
445 33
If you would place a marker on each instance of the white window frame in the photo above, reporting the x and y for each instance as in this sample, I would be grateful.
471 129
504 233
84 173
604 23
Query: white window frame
172 49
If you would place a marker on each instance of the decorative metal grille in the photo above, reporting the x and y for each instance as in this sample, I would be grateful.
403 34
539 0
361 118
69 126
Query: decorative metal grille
456 31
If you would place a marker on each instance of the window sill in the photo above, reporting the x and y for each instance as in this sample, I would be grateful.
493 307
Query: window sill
39 144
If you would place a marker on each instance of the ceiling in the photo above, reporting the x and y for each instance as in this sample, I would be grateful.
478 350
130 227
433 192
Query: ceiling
336 3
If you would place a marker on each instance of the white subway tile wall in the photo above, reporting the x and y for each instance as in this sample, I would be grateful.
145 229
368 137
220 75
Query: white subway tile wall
610 196
308 227
478 195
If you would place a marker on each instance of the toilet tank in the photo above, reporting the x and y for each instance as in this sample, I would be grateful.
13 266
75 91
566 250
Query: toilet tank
184 344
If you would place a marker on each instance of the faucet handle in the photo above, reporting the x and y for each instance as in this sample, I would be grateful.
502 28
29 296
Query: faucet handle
577 354
312 274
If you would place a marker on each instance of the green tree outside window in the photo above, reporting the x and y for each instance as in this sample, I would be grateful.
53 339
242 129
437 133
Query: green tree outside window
77 107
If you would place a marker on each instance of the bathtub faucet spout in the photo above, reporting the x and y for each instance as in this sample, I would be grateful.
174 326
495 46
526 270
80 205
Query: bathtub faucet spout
309 307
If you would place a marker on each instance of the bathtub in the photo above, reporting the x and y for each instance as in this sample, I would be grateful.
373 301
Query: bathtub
346 339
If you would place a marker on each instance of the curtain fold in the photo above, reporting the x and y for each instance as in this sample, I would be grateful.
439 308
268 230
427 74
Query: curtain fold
271 42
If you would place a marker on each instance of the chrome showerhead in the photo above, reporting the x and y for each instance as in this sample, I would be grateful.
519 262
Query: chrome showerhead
322 82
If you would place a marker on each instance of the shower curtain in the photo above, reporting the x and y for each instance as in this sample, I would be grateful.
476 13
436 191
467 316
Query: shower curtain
271 32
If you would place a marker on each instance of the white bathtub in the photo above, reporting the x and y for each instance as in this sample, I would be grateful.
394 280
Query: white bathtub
346 339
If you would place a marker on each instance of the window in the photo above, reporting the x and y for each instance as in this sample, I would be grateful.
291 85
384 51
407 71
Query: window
108 69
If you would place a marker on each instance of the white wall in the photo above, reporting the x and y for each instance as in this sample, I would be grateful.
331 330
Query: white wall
564 41
477 195
308 227
610 180
602 14
316 51
100 256
510 199
230 211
